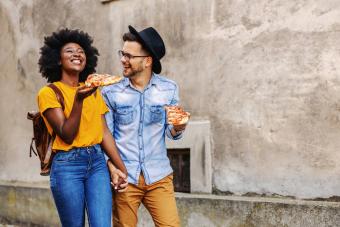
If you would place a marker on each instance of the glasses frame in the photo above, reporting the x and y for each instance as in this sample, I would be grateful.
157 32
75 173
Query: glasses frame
128 56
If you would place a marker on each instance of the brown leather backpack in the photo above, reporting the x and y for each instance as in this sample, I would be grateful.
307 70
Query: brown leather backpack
43 141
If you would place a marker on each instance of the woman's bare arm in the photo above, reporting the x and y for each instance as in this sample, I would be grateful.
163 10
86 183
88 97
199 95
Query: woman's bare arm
67 128
110 148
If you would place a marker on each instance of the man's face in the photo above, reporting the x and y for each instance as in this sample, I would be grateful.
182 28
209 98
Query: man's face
132 65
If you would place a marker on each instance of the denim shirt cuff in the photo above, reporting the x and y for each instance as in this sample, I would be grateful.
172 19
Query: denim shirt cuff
176 137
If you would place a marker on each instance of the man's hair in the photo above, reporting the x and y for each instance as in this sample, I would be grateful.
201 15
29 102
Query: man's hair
49 61
132 38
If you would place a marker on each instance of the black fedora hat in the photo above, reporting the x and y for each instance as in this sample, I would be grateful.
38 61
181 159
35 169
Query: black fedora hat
152 42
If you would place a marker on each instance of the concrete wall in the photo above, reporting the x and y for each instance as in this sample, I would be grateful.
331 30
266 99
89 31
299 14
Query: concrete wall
27 206
23 27
265 73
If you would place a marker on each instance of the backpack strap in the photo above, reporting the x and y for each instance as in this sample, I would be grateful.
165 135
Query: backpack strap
59 95
60 99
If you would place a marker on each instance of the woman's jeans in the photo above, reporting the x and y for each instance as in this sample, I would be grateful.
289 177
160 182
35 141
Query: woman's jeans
80 180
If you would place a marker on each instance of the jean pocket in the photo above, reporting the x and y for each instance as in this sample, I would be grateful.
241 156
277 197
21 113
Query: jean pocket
97 149
157 114
65 156
124 115
99 153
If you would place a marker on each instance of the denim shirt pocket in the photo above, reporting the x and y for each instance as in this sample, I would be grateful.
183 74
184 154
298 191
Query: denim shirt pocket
124 115
157 114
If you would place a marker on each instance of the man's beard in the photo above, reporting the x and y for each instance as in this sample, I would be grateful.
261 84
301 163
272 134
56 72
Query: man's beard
133 72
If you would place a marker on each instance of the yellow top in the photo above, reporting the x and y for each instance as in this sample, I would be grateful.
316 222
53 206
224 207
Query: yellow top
91 125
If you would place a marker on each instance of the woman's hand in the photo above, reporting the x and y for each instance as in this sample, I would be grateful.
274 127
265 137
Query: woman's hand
83 92
118 179
122 184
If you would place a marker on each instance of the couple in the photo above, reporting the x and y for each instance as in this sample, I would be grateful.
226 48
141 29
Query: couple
126 121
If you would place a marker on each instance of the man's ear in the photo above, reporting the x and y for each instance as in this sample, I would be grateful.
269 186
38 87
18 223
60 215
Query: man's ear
148 62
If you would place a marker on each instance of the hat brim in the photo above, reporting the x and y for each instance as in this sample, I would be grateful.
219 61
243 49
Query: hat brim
156 64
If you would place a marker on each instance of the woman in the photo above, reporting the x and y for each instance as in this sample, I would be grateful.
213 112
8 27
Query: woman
79 177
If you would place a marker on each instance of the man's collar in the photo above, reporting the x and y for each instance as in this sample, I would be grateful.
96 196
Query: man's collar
126 82
153 81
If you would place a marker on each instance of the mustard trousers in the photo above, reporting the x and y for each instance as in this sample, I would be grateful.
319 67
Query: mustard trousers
158 198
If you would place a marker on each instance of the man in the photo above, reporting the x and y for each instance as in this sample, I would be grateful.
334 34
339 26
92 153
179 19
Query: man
137 120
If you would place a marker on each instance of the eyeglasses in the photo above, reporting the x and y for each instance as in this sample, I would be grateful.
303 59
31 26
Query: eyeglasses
128 56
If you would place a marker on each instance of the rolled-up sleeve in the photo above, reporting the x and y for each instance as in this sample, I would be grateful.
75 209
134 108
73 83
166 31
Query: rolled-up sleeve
169 135
174 102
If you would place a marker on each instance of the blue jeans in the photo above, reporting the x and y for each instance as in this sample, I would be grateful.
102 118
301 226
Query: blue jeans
80 180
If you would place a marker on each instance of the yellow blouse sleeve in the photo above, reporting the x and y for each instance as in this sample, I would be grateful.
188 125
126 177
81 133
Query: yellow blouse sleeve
102 105
47 99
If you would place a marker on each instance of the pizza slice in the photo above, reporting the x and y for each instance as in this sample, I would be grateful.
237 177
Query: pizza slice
96 80
176 115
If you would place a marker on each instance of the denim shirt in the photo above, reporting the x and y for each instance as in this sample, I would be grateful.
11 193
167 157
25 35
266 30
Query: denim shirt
137 121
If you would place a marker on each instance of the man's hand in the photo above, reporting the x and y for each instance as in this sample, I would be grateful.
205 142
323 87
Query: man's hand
118 179
122 184
178 118
179 128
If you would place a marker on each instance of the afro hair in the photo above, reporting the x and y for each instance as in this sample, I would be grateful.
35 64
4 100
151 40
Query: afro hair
49 66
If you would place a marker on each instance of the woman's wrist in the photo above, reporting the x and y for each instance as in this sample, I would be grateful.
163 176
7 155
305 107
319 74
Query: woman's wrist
78 100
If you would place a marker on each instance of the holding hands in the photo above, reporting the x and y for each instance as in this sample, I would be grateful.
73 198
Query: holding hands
118 179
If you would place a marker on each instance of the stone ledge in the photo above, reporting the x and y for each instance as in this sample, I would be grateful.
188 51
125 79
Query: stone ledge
32 205
259 199
40 184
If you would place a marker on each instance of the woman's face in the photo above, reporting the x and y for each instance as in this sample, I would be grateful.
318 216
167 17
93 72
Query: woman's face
72 58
